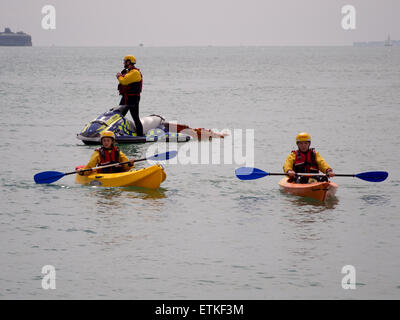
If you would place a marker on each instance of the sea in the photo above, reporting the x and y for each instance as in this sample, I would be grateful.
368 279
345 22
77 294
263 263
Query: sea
204 234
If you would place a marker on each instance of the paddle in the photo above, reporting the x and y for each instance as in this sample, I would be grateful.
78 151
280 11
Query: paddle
248 173
52 176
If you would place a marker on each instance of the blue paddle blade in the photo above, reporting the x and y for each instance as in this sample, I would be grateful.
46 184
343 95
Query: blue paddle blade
48 176
249 173
373 176
163 156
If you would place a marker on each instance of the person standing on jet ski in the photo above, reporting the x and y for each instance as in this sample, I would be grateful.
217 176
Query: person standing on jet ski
130 87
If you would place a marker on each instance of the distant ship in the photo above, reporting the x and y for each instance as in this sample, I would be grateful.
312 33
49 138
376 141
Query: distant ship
9 38
388 42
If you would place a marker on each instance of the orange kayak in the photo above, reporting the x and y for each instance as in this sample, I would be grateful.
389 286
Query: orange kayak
316 190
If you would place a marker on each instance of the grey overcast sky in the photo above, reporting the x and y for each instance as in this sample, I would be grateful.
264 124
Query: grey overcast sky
201 22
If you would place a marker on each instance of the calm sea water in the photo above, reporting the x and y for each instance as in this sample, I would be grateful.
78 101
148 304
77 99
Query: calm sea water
204 234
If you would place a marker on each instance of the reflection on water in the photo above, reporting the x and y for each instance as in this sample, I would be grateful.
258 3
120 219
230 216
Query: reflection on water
303 223
375 199
252 204
115 193
144 193
309 205
107 197
123 199
306 215
120 212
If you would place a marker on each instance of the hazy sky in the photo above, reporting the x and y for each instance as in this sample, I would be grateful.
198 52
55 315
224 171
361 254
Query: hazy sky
201 22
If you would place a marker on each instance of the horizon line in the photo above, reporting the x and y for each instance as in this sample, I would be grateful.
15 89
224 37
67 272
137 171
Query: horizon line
194 46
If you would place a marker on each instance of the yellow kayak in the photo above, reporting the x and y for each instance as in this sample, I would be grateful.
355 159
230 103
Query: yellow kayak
150 177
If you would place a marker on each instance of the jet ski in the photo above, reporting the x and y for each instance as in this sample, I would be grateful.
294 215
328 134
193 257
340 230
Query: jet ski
155 128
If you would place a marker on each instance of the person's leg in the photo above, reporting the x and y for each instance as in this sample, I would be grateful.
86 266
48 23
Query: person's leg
124 100
134 109
124 109
321 178
302 179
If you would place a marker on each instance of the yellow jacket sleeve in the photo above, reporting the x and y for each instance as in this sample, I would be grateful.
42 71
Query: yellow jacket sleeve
130 77
123 158
94 160
322 164
289 162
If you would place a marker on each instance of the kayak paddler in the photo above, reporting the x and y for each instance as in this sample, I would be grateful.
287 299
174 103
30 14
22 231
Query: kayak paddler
108 153
130 87
306 160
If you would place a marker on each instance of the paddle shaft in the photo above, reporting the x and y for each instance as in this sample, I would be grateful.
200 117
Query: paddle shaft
314 174
106 166
344 175
305 174
374 176
319 174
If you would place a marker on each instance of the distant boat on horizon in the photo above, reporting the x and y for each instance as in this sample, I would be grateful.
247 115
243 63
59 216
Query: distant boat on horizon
20 39
388 42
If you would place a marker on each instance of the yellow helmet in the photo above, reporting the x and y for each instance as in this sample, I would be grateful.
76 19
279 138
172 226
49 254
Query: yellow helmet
303 136
108 134
132 59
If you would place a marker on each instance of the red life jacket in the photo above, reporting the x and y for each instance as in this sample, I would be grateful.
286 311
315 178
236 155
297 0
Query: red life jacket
109 158
132 89
305 162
